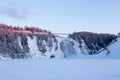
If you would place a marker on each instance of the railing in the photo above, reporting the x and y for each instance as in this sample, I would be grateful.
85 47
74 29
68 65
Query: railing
61 33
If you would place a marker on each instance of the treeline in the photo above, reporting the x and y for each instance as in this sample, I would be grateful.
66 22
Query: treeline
36 29
9 27
18 29
93 41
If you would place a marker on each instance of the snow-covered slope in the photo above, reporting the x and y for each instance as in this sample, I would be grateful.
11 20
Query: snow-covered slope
35 43
50 46
114 52
80 48
41 47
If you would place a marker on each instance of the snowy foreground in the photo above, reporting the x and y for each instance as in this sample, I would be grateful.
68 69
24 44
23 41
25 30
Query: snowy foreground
60 69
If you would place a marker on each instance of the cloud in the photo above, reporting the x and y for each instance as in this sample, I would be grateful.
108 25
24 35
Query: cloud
14 10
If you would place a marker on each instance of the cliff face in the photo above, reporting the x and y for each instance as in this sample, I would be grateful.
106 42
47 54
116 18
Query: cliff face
40 46
18 43
35 43
30 46
93 42
50 46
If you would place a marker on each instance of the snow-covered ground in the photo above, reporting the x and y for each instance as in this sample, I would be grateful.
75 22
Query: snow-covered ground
60 69
76 67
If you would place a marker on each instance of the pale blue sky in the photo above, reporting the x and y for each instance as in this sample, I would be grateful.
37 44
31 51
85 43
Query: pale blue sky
64 16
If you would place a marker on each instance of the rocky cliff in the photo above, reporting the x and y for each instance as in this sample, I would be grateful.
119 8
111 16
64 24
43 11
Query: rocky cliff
18 43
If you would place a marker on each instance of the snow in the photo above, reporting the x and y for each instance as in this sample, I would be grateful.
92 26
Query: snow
58 53
81 67
60 69
19 42
70 49
114 52
34 52
115 49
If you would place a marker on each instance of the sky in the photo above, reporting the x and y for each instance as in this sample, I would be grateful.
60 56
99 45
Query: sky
63 16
